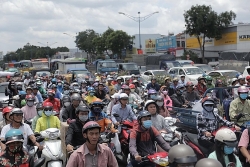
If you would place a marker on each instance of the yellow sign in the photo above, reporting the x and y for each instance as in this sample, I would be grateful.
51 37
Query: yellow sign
193 42
150 46
227 39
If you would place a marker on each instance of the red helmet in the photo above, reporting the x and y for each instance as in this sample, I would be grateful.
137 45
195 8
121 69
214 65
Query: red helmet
248 77
30 97
51 93
132 86
47 104
7 109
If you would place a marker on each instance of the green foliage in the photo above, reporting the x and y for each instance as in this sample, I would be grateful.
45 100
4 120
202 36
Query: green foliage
192 56
201 21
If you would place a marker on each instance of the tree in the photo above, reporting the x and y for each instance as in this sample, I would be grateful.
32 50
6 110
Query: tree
192 56
201 21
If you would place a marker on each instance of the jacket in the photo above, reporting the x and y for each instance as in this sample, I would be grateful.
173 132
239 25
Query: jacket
105 157
45 122
153 86
201 88
56 104
177 100
75 132
145 146
20 159
29 112
69 112
34 121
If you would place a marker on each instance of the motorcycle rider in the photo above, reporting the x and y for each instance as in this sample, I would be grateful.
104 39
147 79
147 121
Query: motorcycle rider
216 93
175 83
29 110
169 86
182 80
56 102
207 123
100 93
29 91
66 101
225 142
41 89
60 86
90 96
209 81
132 92
11 91
91 153
110 86
58 94
6 115
114 100
48 120
241 82
181 156
37 94
84 87
14 155
153 85
131 97
201 86
119 84
163 111
178 99
75 128
70 111
240 105
39 109
167 100
142 140
17 102
16 116
208 162
123 110
151 94
244 147
190 94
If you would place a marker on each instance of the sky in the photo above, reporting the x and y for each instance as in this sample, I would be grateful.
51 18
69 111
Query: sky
42 22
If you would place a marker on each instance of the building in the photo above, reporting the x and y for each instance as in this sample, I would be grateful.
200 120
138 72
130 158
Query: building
1 55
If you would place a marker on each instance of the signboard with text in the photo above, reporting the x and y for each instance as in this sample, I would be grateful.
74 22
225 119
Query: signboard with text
150 46
163 44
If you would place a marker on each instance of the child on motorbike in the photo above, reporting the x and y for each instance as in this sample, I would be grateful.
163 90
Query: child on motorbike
207 122
225 142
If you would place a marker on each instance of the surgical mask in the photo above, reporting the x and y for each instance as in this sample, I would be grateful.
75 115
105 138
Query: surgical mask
83 118
152 96
147 124
91 93
66 104
48 113
132 90
97 110
40 113
165 92
209 108
228 150
243 96
30 103
160 103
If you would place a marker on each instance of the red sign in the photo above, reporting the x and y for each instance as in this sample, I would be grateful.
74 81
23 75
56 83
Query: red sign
139 51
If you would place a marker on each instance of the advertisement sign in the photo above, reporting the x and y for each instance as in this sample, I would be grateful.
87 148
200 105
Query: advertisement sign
192 42
244 37
150 46
163 44
227 39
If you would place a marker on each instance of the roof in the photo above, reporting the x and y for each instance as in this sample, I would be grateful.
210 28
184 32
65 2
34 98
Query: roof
127 63
225 71
184 67
77 69
155 70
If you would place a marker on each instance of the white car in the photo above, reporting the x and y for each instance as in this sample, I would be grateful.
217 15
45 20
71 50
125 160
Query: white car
191 73
147 75
224 73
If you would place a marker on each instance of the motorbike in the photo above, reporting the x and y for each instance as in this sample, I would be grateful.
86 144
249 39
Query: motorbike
173 137
52 151
159 159
246 124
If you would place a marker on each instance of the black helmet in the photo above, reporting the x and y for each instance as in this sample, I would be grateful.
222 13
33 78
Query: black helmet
142 114
208 162
182 154
66 98
39 106
81 108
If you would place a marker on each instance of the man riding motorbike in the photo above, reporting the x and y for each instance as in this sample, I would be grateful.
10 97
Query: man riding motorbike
153 85
41 89
100 93
209 82
56 102
201 86
119 84
190 94
58 94
66 101
37 94
75 128
17 102
178 99
241 82
6 115
48 120
209 162
70 111
114 100
110 86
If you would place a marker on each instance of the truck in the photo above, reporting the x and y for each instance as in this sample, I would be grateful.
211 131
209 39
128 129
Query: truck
106 66
131 68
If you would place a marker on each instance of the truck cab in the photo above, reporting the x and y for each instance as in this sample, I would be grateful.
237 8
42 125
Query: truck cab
106 66
131 68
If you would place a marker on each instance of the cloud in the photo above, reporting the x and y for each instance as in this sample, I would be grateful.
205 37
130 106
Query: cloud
46 20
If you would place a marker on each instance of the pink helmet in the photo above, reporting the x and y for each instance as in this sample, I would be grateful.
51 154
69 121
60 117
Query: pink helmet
243 89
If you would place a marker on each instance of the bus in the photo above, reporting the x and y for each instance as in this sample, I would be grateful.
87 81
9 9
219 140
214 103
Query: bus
40 63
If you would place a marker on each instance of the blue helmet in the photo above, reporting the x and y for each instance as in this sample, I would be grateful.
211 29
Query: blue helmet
22 92
91 89
14 135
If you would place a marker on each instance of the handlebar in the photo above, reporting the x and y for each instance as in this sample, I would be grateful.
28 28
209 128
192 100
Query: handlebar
241 115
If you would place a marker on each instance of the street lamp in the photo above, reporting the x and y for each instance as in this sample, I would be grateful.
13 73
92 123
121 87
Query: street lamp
139 19
47 46
73 37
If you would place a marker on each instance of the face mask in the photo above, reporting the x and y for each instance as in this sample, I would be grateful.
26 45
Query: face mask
152 96
83 118
159 104
66 104
48 113
243 96
91 93
40 112
30 103
132 90
181 90
147 124
208 108
165 92
228 150
97 110
66 92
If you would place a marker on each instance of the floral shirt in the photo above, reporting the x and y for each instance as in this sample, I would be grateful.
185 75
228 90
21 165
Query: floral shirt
8 159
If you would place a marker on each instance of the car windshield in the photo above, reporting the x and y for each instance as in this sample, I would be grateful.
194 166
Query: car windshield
185 63
130 67
160 73
206 68
43 73
193 71
81 72
39 64
173 64
2 88
230 74
108 64
13 70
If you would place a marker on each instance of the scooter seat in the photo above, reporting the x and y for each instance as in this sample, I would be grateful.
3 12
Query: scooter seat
193 138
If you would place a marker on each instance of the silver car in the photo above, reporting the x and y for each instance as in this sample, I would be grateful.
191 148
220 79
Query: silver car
4 99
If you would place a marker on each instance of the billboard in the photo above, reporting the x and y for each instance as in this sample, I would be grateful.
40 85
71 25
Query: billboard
192 42
227 39
163 44
150 46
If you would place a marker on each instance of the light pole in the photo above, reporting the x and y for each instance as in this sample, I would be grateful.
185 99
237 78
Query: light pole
47 46
73 37
139 19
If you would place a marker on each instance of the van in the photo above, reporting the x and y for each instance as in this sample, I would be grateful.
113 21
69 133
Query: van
166 65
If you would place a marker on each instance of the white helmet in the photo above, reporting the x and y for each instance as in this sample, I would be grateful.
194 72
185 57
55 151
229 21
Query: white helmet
149 102
115 96
208 162
226 136
123 96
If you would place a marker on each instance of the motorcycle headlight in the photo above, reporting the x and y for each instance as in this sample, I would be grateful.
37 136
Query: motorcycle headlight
53 135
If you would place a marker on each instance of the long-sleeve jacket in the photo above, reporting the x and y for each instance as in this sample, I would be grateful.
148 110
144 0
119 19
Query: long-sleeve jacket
45 122
124 113
153 86
178 100
69 112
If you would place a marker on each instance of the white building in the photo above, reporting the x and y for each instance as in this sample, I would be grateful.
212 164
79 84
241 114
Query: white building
1 55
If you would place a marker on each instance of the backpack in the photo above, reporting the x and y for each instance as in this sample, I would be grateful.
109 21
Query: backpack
241 156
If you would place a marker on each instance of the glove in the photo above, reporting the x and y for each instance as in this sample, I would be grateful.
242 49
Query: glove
70 120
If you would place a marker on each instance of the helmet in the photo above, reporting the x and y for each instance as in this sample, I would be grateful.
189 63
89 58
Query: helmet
208 78
243 89
90 125
201 78
226 136
22 92
53 80
149 102
180 86
14 135
6 110
125 87
208 162
142 114
248 77
97 102
182 154
39 83
29 88
48 105
16 111
119 78
51 93
76 96
153 78
66 98
115 96
54 86
91 89
109 79
123 96
30 98
131 86
23 102
167 78
135 81
240 77
189 83
207 100
81 108
100 83
83 82
39 106
151 91
175 79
